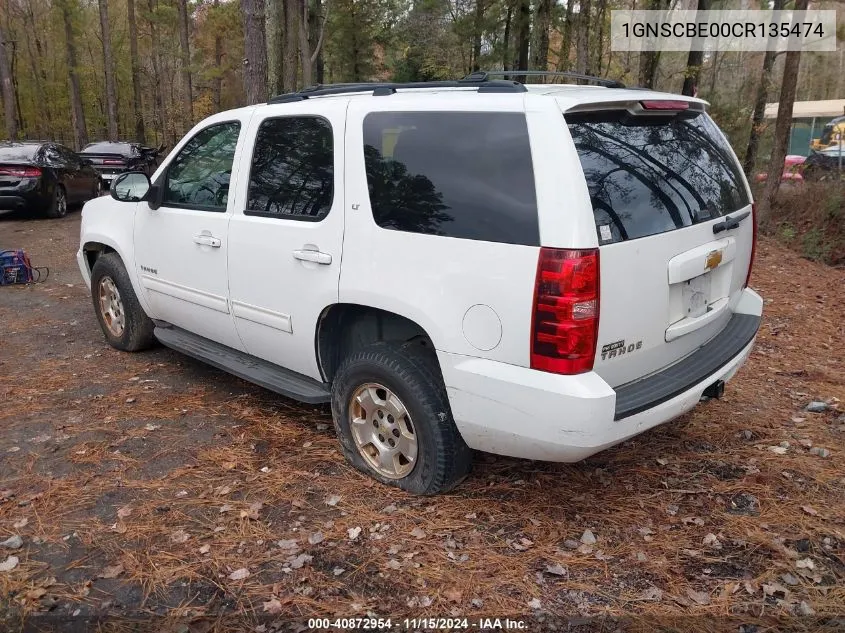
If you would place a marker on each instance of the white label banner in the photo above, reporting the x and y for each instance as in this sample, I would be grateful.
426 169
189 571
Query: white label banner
730 30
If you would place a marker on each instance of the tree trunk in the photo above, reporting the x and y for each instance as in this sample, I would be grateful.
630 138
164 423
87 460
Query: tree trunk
309 50
506 54
542 25
760 105
7 89
582 39
217 84
185 68
275 20
477 25
316 29
39 72
695 58
137 113
566 38
523 37
255 52
783 125
77 114
291 45
108 67
158 94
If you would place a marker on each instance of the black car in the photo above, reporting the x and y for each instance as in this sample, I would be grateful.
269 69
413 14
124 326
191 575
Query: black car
44 177
111 158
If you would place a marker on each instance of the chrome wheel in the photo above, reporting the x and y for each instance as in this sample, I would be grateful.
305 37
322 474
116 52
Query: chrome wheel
111 307
383 431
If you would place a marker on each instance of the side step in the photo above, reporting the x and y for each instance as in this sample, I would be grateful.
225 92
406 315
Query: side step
242 365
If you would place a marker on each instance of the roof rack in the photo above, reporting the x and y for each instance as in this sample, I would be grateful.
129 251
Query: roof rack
484 75
380 89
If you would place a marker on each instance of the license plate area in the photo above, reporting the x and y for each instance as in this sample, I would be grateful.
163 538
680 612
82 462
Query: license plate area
695 295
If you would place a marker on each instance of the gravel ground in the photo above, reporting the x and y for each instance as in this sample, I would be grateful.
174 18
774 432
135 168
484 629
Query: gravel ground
150 490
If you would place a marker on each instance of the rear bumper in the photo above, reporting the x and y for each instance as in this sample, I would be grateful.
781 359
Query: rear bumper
520 412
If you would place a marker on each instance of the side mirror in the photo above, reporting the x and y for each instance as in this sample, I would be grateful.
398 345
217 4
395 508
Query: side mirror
131 186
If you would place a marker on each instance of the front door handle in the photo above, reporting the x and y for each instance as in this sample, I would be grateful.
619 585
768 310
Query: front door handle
207 240
317 257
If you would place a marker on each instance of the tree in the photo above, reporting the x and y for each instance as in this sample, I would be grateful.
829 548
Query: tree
290 64
542 25
218 62
185 66
108 68
275 28
783 125
80 131
137 113
8 90
523 36
694 60
760 104
255 51
306 43
582 39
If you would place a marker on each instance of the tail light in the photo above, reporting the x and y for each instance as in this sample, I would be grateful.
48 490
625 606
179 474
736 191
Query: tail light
664 104
20 172
753 242
110 161
565 322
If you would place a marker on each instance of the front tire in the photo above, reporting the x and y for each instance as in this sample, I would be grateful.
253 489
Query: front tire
393 419
122 319
58 205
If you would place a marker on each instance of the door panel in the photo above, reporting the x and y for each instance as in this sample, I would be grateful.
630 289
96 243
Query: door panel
181 248
286 234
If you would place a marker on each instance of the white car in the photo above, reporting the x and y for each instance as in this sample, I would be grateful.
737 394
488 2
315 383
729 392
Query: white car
536 271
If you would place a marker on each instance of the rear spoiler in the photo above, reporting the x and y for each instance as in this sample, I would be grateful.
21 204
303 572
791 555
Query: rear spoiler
641 107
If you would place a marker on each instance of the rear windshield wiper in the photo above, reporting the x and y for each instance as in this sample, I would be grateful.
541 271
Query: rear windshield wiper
729 223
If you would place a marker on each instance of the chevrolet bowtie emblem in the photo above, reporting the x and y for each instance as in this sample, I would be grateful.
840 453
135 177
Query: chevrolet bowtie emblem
714 258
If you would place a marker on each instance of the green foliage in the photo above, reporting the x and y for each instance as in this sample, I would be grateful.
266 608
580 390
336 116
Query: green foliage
814 245
787 232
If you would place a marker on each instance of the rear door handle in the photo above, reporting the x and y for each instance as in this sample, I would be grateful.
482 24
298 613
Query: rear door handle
317 257
207 240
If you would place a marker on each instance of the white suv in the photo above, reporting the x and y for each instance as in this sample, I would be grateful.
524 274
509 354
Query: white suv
537 271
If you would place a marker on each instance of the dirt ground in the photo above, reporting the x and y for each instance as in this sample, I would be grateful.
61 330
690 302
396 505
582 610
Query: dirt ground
150 490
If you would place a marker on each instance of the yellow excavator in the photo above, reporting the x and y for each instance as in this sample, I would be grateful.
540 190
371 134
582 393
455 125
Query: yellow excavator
832 134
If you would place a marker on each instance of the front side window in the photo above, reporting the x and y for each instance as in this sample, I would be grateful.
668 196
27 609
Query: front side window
457 174
292 173
199 175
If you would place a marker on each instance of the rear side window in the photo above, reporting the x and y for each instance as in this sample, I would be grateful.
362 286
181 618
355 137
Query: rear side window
652 176
457 174
292 173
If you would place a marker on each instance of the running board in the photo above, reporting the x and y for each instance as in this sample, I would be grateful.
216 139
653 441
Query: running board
242 365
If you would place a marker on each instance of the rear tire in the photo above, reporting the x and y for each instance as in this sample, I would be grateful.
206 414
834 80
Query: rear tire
122 319
401 378
58 205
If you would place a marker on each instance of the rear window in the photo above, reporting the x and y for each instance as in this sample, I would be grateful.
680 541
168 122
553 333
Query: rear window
105 147
456 174
18 152
649 176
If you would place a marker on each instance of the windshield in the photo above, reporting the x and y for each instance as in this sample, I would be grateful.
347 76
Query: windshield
650 175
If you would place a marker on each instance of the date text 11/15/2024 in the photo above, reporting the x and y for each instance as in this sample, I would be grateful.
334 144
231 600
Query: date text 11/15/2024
447 624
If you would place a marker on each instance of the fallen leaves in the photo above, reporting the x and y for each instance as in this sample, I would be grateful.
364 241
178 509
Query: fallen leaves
810 510
10 563
315 538
179 536
124 512
13 542
113 571
272 606
239 574
332 500
699 597
418 533
353 533
20 523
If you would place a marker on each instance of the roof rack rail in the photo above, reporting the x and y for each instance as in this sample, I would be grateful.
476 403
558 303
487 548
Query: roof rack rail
483 75
387 88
